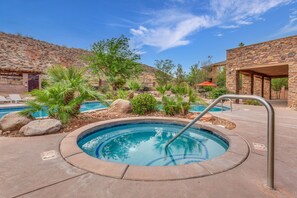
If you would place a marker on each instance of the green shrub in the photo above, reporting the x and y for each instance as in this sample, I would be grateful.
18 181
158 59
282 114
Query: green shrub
134 85
252 102
144 103
122 94
170 106
67 89
217 92
104 89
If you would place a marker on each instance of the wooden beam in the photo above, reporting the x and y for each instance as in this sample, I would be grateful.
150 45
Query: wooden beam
252 84
270 88
261 74
262 89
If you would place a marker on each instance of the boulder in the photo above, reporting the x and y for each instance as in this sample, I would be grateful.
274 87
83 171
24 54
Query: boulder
40 127
13 121
120 106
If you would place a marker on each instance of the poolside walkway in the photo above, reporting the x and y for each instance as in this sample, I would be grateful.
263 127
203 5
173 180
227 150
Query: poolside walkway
24 174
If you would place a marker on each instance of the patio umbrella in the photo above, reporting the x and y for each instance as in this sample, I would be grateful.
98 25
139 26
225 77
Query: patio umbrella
207 83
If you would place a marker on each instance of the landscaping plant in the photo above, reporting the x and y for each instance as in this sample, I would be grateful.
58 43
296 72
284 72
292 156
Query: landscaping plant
114 59
67 89
144 103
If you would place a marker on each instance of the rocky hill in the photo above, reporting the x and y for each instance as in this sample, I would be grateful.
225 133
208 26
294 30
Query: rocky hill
25 54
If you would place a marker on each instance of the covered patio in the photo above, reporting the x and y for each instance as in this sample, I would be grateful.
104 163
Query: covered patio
257 79
251 68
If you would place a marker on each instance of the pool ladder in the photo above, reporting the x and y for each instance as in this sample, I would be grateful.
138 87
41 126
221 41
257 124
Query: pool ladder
270 129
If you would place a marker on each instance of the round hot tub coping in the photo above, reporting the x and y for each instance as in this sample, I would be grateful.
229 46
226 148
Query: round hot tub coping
237 152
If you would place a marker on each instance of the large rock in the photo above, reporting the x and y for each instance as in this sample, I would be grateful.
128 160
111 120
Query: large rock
40 127
13 121
120 106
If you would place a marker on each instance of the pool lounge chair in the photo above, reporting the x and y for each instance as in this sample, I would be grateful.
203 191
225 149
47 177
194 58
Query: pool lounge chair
15 98
3 99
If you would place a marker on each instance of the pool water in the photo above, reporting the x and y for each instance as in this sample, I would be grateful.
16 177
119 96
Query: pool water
143 144
83 108
200 108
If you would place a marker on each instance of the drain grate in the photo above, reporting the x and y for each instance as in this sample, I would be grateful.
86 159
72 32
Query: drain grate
48 155
259 147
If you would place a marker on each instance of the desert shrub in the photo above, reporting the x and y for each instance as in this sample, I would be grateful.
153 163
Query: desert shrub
217 92
252 102
104 89
170 106
144 103
122 94
134 85
67 89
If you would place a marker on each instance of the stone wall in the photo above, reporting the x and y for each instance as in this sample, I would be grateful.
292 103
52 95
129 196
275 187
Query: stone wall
280 51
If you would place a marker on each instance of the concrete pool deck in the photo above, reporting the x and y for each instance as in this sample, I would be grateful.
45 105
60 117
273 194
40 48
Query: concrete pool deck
24 174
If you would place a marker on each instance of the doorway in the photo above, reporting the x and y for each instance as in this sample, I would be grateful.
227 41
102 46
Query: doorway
33 82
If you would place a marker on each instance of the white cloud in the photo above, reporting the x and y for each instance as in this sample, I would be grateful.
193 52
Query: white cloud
242 11
170 28
219 35
291 26
229 26
171 31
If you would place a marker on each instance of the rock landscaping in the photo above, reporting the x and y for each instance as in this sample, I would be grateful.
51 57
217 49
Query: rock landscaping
13 121
41 127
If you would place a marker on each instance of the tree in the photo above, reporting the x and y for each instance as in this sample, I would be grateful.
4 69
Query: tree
180 74
67 89
278 83
195 75
114 59
241 44
221 78
164 71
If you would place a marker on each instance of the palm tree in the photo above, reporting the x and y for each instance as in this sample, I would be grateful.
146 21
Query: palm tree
67 90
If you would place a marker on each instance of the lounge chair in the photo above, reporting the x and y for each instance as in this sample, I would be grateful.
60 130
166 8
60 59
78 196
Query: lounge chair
15 97
3 99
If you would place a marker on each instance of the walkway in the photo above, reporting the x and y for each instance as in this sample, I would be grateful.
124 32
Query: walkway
24 174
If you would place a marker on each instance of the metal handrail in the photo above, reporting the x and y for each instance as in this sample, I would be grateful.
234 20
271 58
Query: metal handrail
270 130
222 105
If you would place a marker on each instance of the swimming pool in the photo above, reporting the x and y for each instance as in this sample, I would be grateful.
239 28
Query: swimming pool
200 108
142 144
87 106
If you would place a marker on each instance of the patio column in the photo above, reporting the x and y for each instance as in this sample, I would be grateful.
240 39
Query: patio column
262 89
252 84
270 88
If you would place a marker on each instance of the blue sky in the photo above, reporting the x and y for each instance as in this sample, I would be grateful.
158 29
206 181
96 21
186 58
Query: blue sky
186 31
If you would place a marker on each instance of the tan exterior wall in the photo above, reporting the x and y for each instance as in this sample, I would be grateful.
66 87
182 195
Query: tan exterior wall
276 52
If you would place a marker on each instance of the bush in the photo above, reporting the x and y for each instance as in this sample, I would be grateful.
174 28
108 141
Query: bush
104 89
144 103
122 94
252 102
217 92
170 106
134 85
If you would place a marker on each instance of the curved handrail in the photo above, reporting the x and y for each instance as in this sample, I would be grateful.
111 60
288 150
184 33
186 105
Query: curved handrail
270 130
222 106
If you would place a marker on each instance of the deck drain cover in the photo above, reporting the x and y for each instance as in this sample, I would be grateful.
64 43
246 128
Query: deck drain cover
48 155
260 147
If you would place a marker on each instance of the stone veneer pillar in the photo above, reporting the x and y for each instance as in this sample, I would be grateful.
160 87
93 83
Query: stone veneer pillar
292 85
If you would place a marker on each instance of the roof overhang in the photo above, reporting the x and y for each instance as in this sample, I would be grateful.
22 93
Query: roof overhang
273 71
